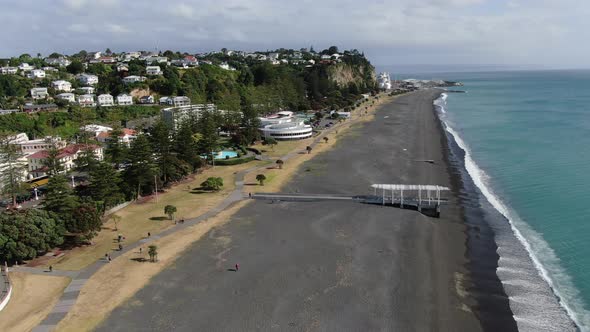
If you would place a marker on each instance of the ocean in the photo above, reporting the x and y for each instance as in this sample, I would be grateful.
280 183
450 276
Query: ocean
525 144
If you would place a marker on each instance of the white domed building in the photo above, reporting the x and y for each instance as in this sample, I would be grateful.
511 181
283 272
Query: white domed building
384 81
284 126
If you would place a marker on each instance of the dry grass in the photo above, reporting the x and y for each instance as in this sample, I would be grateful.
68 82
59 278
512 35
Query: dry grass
282 147
118 281
140 218
33 297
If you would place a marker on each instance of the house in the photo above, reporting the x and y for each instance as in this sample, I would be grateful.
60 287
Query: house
39 93
262 57
326 57
86 90
122 67
153 70
50 69
94 55
156 59
67 96
95 129
86 100
61 85
275 62
36 73
225 66
133 79
61 61
8 70
107 59
128 56
191 61
273 56
28 147
175 101
66 157
124 99
88 79
127 136
105 100
146 100
31 108
25 67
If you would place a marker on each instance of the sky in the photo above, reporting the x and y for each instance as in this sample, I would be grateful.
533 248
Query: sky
528 33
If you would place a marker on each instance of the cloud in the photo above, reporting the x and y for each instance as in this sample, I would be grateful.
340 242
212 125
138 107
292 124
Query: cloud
116 28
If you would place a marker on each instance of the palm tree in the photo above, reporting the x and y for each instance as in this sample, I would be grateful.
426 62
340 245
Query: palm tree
280 163
326 139
116 218
153 252
260 178
308 148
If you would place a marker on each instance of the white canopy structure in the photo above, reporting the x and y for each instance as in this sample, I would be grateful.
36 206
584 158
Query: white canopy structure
432 192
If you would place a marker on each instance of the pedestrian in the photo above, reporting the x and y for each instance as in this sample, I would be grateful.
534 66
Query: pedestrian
50 268
120 247
110 259
149 234
237 267
250 195
140 249
106 256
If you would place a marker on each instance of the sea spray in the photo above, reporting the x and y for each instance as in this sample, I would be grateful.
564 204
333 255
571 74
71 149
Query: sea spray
536 307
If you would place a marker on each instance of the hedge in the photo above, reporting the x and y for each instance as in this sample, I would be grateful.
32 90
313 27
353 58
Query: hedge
234 161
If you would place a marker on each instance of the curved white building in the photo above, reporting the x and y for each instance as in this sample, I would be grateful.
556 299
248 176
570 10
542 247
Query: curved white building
277 118
287 131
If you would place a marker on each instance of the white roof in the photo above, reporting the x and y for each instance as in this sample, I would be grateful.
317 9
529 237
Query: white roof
409 187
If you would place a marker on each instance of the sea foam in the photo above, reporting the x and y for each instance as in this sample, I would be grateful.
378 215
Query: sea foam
536 307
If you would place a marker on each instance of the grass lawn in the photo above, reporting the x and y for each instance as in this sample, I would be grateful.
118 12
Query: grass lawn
33 297
140 218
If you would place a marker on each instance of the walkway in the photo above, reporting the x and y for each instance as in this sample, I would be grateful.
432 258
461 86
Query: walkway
79 278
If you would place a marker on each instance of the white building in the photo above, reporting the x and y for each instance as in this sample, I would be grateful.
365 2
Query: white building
62 85
86 90
153 70
28 147
156 59
86 100
67 96
124 99
384 81
88 79
8 70
36 73
66 157
133 79
95 129
277 118
127 136
39 93
175 101
61 61
50 69
273 56
146 100
105 100
25 67
174 116
287 131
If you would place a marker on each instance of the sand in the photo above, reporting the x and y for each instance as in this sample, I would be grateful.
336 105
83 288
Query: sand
328 265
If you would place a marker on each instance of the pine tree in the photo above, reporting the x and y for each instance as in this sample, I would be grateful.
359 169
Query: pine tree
142 167
12 175
116 151
160 139
60 197
86 160
52 162
105 185
185 146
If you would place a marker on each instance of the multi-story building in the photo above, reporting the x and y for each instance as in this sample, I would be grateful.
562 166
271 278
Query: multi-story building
86 100
39 93
25 67
66 157
105 100
67 96
88 79
153 70
61 61
174 116
36 73
133 79
8 70
124 99
86 90
62 85
127 136
35 145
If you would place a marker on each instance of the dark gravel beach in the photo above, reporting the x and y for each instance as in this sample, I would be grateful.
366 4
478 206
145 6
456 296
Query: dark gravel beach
336 266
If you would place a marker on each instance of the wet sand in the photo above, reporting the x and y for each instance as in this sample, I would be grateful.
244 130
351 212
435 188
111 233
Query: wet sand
329 266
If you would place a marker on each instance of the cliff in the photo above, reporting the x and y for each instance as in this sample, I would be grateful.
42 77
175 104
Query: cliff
361 74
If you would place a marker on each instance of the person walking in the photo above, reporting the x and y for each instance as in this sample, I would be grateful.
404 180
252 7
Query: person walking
110 259
237 267
120 247
50 268
140 249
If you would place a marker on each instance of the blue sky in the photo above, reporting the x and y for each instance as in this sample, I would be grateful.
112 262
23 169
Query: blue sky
543 33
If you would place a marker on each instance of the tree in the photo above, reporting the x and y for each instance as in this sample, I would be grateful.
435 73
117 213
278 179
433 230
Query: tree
116 219
53 162
116 151
59 197
271 141
13 175
332 50
260 178
105 184
170 210
153 252
76 67
212 183
186 146
326 139
28 233
85 222
87 160
142 167
280 163
308 149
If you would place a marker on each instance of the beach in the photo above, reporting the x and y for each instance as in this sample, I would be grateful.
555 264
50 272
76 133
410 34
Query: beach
337 265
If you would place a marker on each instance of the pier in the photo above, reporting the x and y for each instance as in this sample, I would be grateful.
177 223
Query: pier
425 199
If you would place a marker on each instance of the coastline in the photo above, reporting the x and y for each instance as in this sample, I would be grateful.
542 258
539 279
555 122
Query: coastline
419 277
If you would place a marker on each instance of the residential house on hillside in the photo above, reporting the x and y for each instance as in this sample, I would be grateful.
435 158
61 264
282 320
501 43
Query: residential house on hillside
175 101
128 56
25 67
122 67
67 96
156 59
105 100
36 73
133 79
28 147
146 100
8 70
61 61
124 99
273 56
61 85
86 100
94 55
66 157
127 136
153 70
86 90
107 59
95 129
88 79
39 93
50 69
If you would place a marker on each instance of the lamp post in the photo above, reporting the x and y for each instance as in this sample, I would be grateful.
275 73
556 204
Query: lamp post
36 195
73 183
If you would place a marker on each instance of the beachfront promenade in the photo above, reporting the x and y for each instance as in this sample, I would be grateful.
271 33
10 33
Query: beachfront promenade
328 264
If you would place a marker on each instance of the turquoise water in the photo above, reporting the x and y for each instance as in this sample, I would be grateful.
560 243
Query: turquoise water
528 135
226 154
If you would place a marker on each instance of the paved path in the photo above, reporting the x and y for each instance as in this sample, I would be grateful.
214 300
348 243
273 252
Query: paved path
79 278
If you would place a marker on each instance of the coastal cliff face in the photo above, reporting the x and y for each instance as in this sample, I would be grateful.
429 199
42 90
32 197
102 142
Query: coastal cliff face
362 75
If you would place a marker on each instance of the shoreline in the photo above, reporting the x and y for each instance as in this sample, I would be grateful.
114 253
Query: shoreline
497 218
418 279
